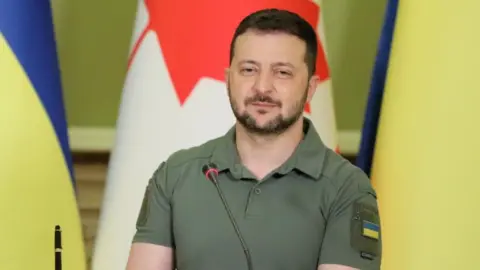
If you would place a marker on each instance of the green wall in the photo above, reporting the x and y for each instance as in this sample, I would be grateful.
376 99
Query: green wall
94 38
352 31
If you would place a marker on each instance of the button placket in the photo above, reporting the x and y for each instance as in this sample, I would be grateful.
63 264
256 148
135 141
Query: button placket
251 209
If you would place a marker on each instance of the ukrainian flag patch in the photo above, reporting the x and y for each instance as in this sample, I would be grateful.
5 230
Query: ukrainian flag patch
370 230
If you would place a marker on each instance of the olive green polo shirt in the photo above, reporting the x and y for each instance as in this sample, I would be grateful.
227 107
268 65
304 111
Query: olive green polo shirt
317 208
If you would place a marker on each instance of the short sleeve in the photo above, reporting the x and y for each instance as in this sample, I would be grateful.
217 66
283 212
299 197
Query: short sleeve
352 235
154 222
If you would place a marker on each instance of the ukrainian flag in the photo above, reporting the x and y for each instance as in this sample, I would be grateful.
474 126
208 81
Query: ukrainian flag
36 184
375 97
427 147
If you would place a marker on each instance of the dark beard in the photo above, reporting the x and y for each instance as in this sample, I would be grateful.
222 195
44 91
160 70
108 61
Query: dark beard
275 126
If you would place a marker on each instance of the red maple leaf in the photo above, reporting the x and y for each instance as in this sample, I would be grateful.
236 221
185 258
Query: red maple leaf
195 36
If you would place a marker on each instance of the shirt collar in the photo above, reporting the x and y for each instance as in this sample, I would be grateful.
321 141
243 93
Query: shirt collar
308 157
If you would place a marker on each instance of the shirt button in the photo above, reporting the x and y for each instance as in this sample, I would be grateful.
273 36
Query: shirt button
258 191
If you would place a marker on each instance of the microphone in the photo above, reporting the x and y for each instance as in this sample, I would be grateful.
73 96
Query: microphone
211 172
58 247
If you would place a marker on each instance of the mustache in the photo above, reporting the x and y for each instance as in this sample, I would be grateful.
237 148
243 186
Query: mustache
262 98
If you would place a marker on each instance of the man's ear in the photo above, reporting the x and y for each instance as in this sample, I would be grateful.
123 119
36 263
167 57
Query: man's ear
226 74
312 87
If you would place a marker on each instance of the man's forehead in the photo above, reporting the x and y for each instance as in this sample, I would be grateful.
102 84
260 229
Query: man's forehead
274 47
265 36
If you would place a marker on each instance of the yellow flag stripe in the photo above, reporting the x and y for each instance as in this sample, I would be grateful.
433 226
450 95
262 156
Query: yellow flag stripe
428 142
370 233
27 25
35 189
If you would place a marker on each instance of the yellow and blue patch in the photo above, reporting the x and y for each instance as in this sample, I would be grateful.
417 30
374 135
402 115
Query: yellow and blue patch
370 230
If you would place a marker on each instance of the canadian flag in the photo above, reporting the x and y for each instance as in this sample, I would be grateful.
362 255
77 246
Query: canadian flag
173 87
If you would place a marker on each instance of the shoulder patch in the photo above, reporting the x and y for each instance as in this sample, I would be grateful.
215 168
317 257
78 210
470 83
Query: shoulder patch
365 230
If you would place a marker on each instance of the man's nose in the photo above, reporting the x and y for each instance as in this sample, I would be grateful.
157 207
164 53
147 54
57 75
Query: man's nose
264 82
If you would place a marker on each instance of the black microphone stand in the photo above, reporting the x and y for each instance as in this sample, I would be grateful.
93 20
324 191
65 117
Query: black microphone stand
211 173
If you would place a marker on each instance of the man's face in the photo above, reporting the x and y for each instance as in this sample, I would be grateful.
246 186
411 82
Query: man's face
268 81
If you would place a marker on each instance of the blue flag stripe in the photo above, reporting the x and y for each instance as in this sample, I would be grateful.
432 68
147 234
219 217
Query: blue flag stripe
27 25
374 102
371 226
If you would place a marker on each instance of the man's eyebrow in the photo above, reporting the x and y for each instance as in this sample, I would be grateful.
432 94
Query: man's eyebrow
248 61
283 64
276 64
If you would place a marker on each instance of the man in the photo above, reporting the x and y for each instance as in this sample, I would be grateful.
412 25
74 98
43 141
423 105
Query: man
297 204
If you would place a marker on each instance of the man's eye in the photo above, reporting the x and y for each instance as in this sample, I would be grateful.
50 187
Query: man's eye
247 70
284 73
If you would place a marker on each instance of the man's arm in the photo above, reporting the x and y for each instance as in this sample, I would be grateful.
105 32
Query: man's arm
147 256
352 236
335 267
152 247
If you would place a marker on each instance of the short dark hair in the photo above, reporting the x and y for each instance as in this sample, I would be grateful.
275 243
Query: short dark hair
277 20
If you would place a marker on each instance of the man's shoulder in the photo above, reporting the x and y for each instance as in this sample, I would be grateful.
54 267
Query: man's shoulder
193 154
339 171
183 161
